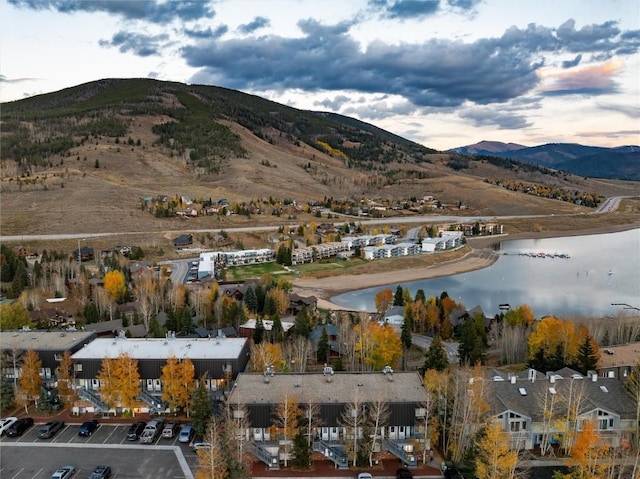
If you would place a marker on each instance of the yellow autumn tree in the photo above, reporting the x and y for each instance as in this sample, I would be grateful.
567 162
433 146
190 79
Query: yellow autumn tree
30 380
280 299
211 461
287 413
377 345
65 378
115 284
495 459
588 454
265 355
178 382
119 381
14 316
552 334
383 299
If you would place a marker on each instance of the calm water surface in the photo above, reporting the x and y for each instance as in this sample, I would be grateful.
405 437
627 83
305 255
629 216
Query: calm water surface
600 270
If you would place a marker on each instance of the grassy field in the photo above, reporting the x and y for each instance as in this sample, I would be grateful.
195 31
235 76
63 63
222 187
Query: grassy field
240 273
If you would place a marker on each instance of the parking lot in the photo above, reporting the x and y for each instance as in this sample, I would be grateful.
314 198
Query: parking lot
30 457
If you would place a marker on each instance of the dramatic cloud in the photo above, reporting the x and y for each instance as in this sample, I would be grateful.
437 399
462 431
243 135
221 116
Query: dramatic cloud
412 8
504 120
572 63
592 80
206 33
417 9
141 45
434 73
335 104
256 24
149 10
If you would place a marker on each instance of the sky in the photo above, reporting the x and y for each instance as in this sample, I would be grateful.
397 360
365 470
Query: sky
443 73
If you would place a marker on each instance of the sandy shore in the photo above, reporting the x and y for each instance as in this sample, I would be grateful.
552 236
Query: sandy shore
480 256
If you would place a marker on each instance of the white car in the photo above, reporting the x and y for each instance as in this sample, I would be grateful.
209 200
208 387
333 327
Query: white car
5 423
64 472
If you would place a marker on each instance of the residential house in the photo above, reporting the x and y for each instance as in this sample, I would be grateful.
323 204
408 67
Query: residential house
533 408
617 361
256 396
183 241
49 345
220 358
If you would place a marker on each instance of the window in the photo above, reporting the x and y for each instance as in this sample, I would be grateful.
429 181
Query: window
77 367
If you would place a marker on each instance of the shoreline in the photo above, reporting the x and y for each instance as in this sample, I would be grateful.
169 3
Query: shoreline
481 256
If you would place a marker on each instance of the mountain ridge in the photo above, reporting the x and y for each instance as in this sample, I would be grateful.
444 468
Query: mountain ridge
621 162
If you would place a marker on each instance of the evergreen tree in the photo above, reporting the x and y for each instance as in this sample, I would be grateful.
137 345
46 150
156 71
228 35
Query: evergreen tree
200 406
91 313
250 300
436 356
277 332
587 357
405 337
302 324
322 351
420 296
258 333
270 306
301 451
398 298
472 341
7 398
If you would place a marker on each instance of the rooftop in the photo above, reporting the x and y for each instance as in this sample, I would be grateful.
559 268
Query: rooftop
335 388
162 348
43 340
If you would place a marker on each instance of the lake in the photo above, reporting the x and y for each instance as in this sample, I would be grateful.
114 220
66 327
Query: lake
579 276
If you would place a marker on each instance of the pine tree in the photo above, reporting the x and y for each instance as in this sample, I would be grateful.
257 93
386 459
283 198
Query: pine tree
258 333
322 351
587 357
405 338
398 298
200 406
436 356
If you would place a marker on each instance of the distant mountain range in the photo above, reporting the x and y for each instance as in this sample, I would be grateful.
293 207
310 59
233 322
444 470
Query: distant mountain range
622 162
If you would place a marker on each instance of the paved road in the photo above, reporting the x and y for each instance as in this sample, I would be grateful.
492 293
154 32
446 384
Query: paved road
610 204
425 341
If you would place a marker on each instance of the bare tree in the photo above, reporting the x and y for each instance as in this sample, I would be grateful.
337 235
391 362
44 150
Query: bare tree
513 344
211 460
237 420
287 413
378 417
353 419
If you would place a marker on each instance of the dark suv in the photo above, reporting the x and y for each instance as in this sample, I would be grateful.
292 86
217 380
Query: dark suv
50 429
88 427
135 430
20 426
101 472
404 473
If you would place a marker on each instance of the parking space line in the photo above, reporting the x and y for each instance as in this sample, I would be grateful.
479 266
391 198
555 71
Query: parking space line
38 473
17 473
114 429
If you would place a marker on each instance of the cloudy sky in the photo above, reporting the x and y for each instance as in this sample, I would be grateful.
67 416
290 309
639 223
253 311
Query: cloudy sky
444 73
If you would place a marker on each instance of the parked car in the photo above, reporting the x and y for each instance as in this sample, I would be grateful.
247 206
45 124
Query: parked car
404 473
152 431
5 423
50 429
135 430
169 430
186 433
365 475
199 443
20 426
64 472
87 427
101 472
